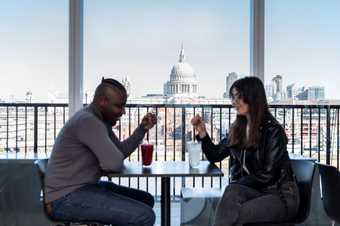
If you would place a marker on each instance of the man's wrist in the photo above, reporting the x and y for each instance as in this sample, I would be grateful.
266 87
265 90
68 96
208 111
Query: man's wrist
144 127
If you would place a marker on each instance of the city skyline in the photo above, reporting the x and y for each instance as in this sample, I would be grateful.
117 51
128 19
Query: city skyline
141 40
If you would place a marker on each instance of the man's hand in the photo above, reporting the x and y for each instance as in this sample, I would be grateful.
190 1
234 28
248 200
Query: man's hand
199 125
149 120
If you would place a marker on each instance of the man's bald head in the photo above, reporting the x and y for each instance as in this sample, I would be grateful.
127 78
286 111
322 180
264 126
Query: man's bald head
110 99
108 85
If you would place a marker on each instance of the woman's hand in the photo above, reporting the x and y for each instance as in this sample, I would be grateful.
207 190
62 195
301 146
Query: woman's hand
199 125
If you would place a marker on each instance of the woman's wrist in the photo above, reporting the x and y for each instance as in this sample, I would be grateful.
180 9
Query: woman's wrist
202 134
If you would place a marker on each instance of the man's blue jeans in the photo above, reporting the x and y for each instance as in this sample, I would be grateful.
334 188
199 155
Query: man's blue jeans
107 203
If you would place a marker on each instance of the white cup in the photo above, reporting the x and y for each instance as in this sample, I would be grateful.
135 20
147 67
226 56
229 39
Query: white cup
194 149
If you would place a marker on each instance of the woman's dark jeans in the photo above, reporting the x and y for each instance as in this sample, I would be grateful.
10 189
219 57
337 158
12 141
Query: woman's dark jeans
241 204
108 203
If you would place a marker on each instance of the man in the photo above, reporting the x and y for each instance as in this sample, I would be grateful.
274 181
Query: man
85 147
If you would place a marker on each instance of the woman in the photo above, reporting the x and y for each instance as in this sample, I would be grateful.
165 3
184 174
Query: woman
262 185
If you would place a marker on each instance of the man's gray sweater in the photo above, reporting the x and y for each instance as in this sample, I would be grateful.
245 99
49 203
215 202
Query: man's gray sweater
84 148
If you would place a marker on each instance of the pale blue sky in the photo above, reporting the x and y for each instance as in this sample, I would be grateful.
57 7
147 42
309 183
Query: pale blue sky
142 39
303 42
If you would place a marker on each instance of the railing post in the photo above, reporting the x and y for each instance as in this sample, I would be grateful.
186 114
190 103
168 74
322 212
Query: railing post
328 136
183 133
7 128
35 149
183 141
16 129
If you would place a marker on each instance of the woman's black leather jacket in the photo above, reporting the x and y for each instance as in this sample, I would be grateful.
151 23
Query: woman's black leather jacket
265 166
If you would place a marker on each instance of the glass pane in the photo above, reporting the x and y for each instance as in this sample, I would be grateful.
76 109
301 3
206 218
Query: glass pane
142 40
303 49
34 50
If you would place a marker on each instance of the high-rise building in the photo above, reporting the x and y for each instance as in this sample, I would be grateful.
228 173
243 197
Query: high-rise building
292 92
303 94
312 93
269 88
277 80
316 93
278 92
229 80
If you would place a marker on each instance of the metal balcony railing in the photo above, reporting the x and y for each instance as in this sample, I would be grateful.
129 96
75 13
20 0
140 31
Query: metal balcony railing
313 131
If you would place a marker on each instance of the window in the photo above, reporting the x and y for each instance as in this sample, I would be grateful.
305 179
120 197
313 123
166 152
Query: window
303 47
34 50
142 40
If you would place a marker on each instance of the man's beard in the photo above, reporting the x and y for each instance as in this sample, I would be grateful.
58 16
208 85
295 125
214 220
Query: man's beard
110 120
114 122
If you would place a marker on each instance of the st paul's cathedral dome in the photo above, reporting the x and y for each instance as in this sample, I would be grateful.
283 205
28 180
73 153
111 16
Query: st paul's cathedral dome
183 81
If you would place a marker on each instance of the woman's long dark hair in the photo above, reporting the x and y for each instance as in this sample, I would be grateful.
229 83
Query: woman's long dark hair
251 91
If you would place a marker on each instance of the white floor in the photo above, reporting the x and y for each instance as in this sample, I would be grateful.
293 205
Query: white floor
175 213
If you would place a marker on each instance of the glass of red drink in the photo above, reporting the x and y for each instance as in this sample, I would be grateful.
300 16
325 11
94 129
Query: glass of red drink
147 152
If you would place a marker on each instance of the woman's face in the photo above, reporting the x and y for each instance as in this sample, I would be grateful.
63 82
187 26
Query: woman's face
241 107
